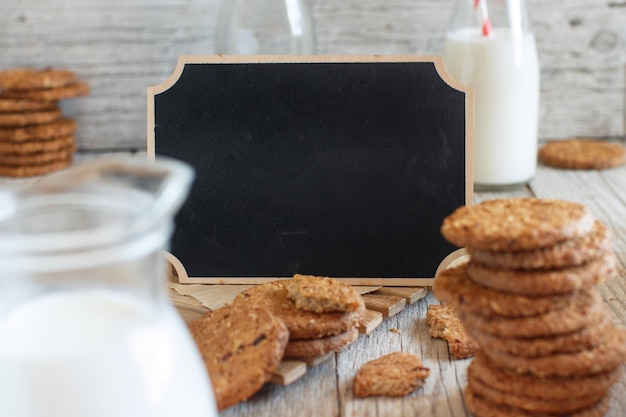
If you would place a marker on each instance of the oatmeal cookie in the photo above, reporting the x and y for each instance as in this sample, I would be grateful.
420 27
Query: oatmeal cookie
35 146
582 154
396 374
545 282
323 295
584 339
481 407
572 252
515 224
552 388
30 78
241 347
524 402
453 286
444 324
30 118
35 170
301 324
584 310
321 346
12 105
59 128
75 89
35 159
604 357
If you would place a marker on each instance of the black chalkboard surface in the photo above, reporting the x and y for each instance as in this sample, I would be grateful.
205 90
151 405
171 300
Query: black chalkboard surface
338 166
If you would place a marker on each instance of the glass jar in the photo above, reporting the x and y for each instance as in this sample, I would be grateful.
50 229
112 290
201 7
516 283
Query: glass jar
490 46
265 27
86 326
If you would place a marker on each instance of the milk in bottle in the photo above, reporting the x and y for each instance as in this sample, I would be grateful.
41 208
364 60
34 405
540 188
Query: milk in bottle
503 68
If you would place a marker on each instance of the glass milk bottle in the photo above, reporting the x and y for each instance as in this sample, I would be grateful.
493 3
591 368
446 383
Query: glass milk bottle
265 27
86 327
491 47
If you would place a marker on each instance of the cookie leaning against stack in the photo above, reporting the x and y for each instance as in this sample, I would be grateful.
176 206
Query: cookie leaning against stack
528 296
241 347
35 139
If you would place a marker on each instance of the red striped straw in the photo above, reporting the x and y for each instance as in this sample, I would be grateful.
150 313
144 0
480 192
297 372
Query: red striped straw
481 8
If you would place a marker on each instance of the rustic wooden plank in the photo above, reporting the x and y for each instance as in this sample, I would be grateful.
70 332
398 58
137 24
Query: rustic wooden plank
410 294
315 360
188 307
388 305
371 320
580 44
211 296
288 371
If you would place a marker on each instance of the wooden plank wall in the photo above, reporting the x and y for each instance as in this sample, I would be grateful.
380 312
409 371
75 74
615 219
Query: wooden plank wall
120 47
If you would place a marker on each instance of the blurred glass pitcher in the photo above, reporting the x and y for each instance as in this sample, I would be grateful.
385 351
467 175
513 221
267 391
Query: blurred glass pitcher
86 327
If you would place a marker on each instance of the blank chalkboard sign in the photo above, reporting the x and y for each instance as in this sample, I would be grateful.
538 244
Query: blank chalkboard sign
338 166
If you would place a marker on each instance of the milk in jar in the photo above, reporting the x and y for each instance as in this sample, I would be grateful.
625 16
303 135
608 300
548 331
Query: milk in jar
86 326
99 353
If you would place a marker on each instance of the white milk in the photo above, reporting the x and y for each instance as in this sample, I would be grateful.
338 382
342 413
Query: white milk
505 76
92 353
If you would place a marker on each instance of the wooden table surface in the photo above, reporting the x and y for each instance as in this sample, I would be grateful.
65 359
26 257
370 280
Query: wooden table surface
326 388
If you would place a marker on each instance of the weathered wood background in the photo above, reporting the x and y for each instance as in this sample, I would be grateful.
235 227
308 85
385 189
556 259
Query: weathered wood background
120 47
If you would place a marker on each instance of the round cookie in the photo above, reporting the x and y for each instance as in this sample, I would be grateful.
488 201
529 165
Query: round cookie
585 308
480 407
530 404
604 357
241 346
396 374
34 146
582 154
34 170
572 252
513 224
453 286
12 105
321 346
542 388
34 159
545 282
323 295
301 324
30 78
75 89
584 339
59 128
29 118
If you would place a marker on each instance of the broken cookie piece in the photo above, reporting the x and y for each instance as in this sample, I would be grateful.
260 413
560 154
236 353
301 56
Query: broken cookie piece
444 324
396 374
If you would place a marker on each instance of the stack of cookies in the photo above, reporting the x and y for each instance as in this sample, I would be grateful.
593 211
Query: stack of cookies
322 314
243 343
35 138
527 295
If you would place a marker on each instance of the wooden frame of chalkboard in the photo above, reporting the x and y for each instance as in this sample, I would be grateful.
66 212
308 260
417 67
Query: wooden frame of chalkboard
340 166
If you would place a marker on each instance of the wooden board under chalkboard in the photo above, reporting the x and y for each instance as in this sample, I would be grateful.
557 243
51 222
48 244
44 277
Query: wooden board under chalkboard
340 166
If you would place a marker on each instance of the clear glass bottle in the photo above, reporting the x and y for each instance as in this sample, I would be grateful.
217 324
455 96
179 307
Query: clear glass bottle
86 326
265 27
490 46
